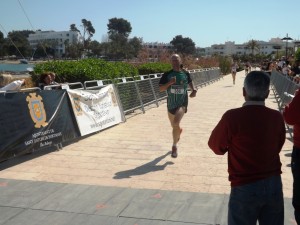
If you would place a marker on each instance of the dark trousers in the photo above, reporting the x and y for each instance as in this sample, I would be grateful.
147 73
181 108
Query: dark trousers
295 164
260 201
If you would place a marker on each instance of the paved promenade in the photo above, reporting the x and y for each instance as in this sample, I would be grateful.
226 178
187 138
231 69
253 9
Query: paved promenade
125 175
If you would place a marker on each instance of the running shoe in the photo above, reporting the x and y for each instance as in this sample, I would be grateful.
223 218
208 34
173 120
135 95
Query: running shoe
174 152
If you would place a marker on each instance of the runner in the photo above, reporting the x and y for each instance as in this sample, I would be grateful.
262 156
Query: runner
176 82
234 67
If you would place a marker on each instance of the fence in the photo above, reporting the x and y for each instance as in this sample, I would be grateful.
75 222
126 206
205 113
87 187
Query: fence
136 94
284 88
76 85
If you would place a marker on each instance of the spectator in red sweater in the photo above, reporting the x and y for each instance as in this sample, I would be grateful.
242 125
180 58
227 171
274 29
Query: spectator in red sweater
291 116
247 134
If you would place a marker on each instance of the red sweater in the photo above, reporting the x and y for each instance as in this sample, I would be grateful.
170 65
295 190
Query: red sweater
291 114
253 136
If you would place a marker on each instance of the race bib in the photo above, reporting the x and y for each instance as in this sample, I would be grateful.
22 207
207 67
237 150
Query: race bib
177 89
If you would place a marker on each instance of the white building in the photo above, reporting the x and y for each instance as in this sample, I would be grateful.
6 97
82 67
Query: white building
56 39
267 48
155 49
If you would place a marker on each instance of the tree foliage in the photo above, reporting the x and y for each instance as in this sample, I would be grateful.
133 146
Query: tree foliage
74 28
120 47
1 37
135 45
253 45
297 54
2 41
88 29
17 44
118 27
183 45
148 68
85 70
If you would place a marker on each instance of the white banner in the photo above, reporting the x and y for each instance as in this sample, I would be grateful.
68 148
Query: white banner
95 109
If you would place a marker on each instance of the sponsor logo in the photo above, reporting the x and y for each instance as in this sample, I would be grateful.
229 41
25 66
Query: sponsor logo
37 110
76 104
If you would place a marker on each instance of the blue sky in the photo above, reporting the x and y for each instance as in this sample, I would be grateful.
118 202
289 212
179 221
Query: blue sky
205 22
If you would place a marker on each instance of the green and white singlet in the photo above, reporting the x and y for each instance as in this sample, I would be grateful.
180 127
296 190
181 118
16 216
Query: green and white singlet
177 93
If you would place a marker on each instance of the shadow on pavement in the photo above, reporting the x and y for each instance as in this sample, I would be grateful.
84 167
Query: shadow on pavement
145 168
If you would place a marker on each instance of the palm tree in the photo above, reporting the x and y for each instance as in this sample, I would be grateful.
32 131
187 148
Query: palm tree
253 45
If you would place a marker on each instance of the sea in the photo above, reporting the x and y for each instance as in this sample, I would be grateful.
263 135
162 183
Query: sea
16 68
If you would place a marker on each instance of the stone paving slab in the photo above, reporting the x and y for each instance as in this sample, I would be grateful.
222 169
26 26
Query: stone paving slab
17 193
89 204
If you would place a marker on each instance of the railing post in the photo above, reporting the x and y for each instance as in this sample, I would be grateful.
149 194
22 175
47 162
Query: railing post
139 96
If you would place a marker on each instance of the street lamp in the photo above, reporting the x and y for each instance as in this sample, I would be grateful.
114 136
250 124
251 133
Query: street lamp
287 38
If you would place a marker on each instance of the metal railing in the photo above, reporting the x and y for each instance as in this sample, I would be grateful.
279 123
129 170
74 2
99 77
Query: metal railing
141 91
137 94
33 89
284 88
75 85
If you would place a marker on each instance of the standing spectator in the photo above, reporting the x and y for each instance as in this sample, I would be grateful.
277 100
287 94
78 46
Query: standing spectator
280 63
285 69
264 65
295 68
296 79
247 134
246 69
291 116
175 82
270 67
249 67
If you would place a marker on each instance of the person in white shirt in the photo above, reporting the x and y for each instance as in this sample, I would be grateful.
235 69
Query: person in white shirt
280 63
285 69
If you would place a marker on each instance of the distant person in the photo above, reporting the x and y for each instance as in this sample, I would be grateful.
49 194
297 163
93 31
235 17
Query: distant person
247 68
269 68
295 69
247 134
234 67
264 65
48 79
176 82
280 63
291 116
286 69
45 80
53 76
296 79
8 84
